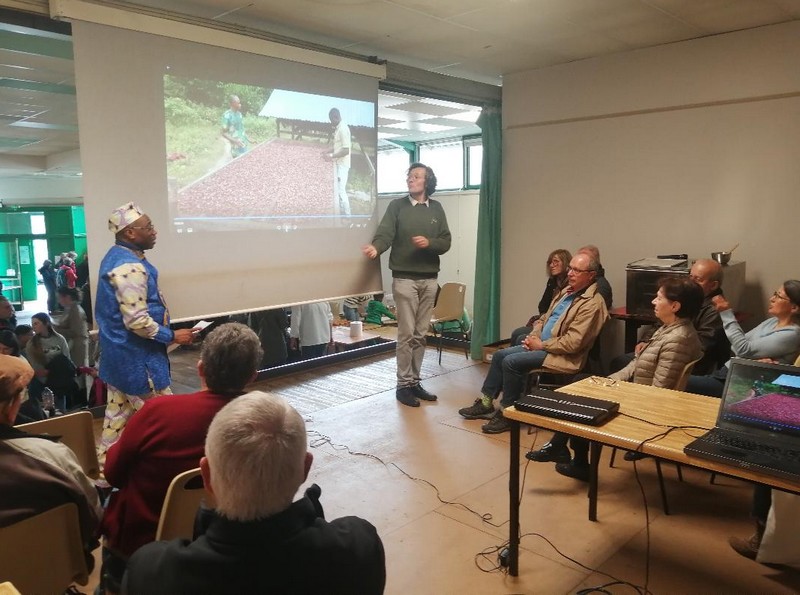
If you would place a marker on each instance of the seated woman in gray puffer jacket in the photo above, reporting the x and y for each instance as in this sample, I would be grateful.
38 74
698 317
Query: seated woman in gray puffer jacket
660 363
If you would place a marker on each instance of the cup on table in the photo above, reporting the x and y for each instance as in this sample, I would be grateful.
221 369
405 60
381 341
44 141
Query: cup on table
356 328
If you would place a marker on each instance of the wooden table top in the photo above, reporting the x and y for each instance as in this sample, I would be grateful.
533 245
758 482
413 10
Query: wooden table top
657 410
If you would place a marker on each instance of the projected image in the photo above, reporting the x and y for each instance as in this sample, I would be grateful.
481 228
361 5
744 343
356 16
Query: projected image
764 398
245 157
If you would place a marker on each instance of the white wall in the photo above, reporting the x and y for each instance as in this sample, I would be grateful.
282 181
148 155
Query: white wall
689 147
458 265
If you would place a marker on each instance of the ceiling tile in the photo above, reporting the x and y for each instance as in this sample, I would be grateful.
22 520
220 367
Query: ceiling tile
718 16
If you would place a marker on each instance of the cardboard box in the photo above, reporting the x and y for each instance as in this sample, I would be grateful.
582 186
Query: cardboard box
488 350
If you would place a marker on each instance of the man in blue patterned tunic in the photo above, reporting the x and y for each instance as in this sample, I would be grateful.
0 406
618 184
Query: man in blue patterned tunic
134 323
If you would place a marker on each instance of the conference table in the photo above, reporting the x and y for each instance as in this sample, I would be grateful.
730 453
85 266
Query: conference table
645 412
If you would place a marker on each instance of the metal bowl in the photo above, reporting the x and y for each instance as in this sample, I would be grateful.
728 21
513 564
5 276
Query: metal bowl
721 257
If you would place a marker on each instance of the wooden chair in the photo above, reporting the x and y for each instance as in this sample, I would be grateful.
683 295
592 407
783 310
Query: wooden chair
44 553
77 432
184 496
680 385
449 308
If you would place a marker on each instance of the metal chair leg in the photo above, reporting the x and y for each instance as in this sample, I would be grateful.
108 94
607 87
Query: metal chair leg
613 457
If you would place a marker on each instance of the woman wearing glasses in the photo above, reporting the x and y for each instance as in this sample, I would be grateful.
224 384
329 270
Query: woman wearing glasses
777 339
556 270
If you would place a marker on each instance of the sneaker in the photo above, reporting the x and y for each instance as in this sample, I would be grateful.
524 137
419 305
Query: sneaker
497 425
477 410
579 472
406 396
422 394
550 453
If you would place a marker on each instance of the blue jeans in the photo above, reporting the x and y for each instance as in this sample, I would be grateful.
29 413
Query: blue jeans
710 385
351 314
508 370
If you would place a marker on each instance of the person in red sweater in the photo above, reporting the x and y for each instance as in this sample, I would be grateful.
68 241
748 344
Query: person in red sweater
166 438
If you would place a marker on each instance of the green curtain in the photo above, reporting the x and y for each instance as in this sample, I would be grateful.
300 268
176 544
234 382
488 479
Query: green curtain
486 300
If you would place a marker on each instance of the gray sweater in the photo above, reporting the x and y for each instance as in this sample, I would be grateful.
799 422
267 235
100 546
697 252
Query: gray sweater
400 223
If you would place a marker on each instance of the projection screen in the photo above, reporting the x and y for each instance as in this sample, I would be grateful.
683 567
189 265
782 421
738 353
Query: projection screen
236 232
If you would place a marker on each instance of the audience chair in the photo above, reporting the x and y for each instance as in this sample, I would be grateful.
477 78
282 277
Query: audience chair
184 496
681 384
449 307
77 432
44 553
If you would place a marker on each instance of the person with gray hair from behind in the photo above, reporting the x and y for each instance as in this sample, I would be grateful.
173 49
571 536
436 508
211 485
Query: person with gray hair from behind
257 539
166 437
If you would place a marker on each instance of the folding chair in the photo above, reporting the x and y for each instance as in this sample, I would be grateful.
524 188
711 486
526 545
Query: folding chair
449 307
680 385
77 432
44 553
184 497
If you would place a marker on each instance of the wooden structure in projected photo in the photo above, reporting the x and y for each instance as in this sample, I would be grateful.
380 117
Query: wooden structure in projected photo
303 116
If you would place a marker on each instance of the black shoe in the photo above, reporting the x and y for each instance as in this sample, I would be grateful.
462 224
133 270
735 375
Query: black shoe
497 425
580 472
422 394
550 453
634 455
406 396
477 410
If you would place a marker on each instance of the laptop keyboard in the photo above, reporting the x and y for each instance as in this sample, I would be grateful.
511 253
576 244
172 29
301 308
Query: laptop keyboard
758 448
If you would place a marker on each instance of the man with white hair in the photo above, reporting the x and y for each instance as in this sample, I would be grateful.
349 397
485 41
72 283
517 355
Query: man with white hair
133 320
257 540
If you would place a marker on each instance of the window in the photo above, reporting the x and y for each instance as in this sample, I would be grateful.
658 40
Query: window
393 163
456 161
446 158
474 161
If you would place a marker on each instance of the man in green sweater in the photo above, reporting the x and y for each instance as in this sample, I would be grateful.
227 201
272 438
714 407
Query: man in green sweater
415 228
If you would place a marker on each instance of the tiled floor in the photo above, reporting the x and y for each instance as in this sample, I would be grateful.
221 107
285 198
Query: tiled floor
432 543
431 546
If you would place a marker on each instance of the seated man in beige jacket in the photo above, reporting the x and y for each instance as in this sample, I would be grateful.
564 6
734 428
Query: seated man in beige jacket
560 341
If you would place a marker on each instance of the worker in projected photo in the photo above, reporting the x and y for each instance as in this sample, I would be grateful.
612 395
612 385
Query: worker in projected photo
415 228
233 128
340 155
134 324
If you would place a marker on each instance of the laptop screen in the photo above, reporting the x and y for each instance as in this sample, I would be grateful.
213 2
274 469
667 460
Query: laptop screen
760 396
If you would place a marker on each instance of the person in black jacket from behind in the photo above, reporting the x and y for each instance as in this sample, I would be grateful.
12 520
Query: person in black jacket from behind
257 540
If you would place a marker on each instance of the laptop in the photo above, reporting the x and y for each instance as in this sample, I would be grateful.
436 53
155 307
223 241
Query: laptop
550 403
758 424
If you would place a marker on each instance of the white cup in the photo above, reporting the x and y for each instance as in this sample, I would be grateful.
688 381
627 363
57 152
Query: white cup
355 329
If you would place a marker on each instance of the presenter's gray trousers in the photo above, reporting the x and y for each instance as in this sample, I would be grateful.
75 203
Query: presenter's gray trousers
414 299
